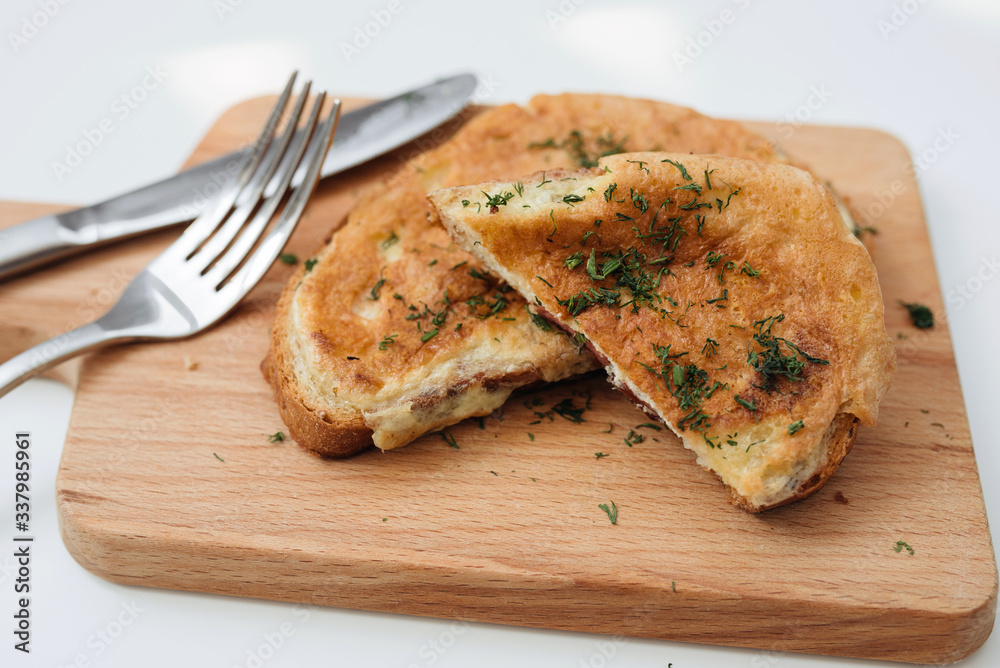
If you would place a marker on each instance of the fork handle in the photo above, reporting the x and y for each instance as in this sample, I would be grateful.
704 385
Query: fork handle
34 361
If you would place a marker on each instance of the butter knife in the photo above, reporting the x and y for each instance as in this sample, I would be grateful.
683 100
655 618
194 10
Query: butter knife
362 134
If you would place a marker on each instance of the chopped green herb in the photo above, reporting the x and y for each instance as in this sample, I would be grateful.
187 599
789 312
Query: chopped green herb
795 427
449 438
710 348
921 316
573 261
649 425
679 166
901 545
748 270
429 335
531 436
610 428
749 405
386 341
539 322
723 297
309 264
641 164
218 457
288 258
498 200
392 239
572 199
639 201
600 455
770 361
276 437
612 511
374 294
567 410
574 145
712 259
633 437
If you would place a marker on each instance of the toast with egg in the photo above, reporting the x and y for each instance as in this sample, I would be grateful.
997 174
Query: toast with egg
391 331
727 297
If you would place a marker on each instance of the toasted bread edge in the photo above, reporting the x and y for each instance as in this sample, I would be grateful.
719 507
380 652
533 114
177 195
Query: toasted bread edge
842 433
321 430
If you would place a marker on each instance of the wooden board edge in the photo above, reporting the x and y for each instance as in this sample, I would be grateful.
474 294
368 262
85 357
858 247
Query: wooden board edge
315 577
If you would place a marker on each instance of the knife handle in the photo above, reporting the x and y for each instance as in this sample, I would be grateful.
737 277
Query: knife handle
40 240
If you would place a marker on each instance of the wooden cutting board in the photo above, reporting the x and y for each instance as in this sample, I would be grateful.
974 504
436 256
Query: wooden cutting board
168 478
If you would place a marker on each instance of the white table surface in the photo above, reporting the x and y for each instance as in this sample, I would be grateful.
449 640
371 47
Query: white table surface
915 69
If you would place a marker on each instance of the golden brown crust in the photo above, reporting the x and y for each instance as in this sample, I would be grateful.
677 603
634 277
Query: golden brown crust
726 259
329 328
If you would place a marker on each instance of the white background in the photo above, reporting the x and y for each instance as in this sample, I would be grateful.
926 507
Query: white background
938 72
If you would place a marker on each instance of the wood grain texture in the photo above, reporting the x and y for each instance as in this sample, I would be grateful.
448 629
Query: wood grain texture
507 529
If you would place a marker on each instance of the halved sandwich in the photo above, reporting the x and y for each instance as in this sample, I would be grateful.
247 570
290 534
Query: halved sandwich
391 330
727 297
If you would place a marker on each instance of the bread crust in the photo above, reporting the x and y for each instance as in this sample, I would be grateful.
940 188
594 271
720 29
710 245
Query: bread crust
842 433
340 435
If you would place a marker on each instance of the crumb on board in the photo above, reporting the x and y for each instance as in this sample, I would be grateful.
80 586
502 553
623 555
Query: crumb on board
190 363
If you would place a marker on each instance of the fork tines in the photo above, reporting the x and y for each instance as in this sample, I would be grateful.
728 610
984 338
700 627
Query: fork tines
223 245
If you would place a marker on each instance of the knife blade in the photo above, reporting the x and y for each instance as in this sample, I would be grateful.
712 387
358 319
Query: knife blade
362 134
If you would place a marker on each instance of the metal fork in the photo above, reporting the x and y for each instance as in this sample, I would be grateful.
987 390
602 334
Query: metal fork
203 275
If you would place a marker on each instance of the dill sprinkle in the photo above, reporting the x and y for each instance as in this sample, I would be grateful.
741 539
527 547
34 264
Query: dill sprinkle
611 511
921 316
